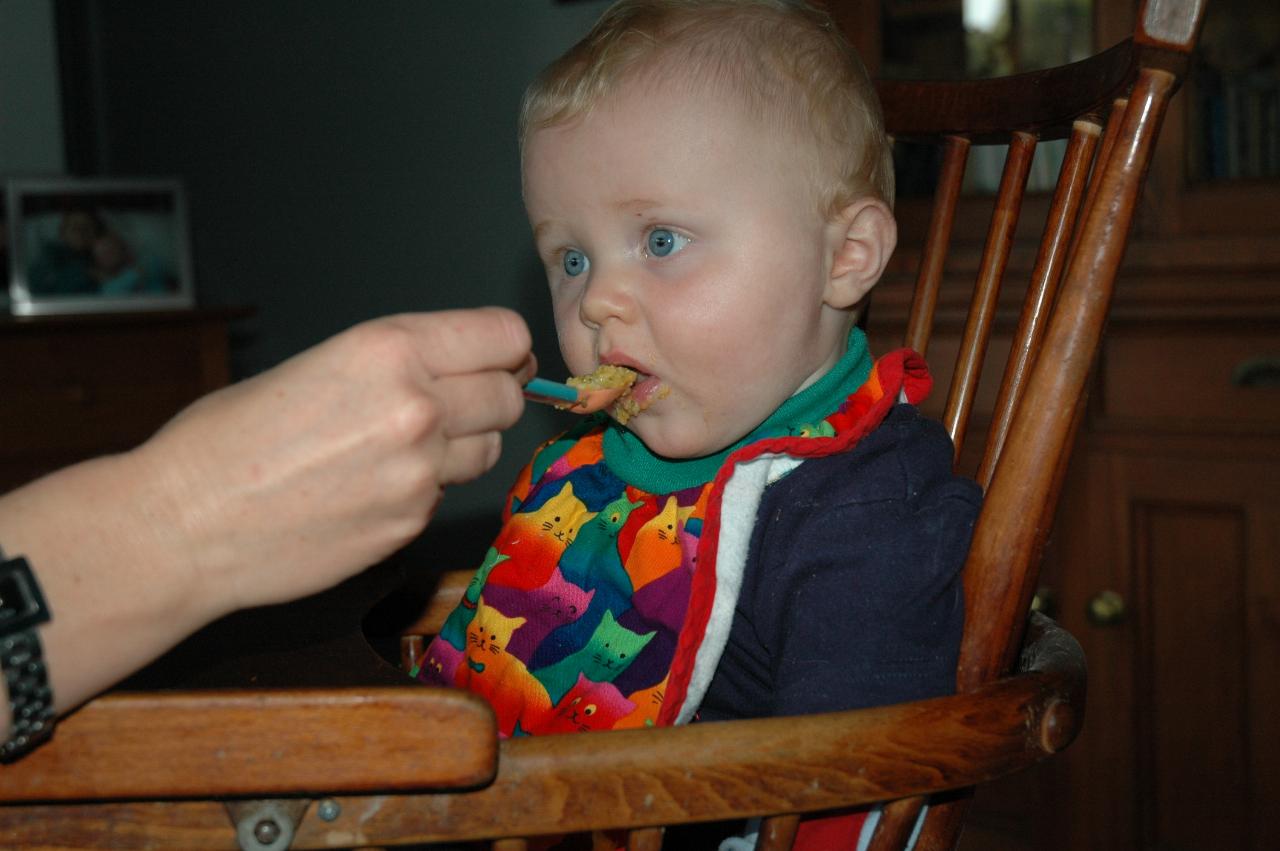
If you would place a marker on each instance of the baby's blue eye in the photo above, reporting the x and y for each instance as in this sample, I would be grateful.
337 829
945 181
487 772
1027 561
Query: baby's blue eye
575 262
663 242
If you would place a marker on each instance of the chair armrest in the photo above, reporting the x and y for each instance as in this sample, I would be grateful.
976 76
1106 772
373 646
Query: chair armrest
638 778
261 743
738 769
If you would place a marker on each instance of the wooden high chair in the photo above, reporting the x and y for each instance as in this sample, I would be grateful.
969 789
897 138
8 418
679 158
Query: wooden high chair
400 764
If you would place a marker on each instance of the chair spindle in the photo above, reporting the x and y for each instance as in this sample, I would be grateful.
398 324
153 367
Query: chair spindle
897 820
1045 277
511 844
993 612
411 649
644 839
982 309
778 833
920 322
995 554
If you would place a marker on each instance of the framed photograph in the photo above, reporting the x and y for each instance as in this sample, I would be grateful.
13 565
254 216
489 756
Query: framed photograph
89 246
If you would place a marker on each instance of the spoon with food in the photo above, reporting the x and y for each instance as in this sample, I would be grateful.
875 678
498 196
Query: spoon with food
609 385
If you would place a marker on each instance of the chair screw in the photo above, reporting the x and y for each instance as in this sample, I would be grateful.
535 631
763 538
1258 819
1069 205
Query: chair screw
266 831
329 809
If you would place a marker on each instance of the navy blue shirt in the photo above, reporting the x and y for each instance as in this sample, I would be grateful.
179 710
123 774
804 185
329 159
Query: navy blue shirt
852 594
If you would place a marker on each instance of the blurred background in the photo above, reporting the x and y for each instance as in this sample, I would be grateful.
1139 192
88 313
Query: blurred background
341 160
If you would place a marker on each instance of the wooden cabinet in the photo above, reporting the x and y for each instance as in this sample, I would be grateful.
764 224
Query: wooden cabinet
1175 508
1184 751
76 386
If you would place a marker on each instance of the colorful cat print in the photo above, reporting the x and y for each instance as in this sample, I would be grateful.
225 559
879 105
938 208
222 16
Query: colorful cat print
592 562
439 665
656 549
454 630
610 651
502 679
647 702
658 607
586 707
544 609
533 541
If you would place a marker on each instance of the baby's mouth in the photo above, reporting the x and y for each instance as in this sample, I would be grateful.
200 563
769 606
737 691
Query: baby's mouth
639 389
646 390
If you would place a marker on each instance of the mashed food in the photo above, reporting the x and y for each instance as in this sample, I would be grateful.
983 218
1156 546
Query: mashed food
629 406
606 376
609 376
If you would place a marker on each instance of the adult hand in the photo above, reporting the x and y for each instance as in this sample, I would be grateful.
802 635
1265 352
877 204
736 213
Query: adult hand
265 491
288 482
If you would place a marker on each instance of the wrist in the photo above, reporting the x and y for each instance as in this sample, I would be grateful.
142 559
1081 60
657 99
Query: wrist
177 530
101 535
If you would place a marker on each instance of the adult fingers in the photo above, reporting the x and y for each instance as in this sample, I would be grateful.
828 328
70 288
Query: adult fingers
468 457
477 403
452 342
527 370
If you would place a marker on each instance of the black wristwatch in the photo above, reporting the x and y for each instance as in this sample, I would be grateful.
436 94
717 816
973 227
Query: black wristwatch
22 609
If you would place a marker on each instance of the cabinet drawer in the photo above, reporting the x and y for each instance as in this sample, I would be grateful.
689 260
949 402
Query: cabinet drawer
1187 379
94 390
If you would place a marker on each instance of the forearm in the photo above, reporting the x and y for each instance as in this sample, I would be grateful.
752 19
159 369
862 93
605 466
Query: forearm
120 594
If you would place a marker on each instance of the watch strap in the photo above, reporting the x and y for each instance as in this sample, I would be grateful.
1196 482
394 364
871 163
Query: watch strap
30 696
22 608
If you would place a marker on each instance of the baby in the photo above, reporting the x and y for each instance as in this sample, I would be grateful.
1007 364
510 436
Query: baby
777 530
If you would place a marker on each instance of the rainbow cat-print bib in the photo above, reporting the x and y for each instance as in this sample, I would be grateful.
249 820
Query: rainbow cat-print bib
603 606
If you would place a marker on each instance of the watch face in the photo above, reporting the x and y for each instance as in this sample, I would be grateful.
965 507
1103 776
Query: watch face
21 603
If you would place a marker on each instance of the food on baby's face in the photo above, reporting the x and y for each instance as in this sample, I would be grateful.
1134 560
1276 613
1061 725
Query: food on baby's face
611 376
606 377
629 405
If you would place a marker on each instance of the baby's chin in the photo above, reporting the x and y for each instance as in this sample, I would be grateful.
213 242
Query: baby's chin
665 437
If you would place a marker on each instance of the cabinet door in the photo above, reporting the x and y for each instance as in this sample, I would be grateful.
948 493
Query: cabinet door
1181 744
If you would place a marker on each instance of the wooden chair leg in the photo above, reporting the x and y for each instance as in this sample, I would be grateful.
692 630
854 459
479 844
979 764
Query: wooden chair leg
411 647
777 833
897 820
645 839
510 845
942 824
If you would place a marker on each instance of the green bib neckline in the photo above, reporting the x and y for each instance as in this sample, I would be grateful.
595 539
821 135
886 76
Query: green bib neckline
630 459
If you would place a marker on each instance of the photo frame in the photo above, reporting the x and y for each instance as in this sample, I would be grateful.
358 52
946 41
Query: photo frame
97 245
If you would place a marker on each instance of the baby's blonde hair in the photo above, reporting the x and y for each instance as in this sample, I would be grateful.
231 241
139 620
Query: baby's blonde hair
789 62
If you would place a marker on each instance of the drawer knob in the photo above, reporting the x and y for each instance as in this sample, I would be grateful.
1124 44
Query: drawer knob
1106 609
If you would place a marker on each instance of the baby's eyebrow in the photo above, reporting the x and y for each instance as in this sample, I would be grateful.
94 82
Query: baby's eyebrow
541 228
636 205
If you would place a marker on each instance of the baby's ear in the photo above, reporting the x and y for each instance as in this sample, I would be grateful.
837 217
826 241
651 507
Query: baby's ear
864 235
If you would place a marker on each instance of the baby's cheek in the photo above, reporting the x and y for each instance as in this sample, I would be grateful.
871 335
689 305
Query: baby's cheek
575 348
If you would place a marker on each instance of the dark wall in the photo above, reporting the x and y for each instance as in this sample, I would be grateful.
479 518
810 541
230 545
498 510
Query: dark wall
342 159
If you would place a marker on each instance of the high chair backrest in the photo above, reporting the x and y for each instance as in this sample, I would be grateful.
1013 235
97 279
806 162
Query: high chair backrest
1109 108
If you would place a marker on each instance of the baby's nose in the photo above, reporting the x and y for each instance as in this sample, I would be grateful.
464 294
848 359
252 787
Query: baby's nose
609 295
